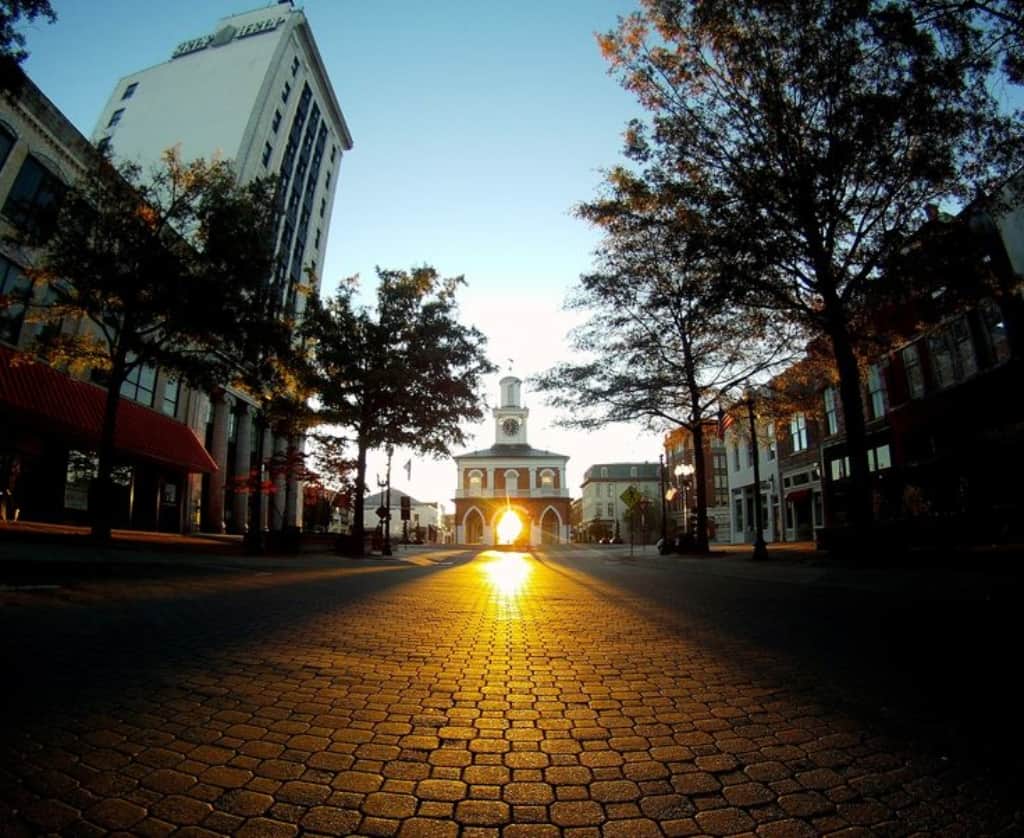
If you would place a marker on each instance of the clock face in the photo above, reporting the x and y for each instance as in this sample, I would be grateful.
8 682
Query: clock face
510 426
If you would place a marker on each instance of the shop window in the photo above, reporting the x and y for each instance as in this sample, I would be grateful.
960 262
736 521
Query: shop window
172 393
952 353
995 331
721 472
912 369
880 458
15 290
798 432
876 391
34 200
140 384
840 468
963 348
831 415
7 141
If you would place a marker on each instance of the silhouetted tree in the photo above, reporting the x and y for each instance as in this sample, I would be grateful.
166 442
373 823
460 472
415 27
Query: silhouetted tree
157 271
405 373
811 136
12 42
664 345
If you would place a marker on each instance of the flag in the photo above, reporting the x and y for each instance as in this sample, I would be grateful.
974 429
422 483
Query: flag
725 421
408 469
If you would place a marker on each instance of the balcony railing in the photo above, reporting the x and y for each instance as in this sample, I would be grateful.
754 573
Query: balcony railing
541 492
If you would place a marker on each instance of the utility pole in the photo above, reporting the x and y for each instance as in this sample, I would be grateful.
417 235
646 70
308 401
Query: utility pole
387 505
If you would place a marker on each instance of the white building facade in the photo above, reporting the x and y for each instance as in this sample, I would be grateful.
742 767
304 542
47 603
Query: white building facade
252 90
740 456
605 514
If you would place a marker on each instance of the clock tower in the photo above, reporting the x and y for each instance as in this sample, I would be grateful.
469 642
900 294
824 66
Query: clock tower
510 416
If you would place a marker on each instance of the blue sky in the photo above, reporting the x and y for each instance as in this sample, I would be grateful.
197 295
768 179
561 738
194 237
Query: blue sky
476 126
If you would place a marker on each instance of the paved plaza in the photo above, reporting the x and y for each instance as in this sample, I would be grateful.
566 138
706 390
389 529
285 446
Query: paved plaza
566 692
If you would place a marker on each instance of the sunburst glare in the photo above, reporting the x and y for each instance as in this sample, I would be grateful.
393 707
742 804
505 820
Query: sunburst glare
509 527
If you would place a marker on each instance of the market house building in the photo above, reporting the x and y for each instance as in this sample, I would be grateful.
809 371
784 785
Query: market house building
511 475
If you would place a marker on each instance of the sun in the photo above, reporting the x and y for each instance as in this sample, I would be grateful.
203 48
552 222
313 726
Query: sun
509 527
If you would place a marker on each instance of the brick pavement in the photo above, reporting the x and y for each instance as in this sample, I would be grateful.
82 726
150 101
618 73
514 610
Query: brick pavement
505 696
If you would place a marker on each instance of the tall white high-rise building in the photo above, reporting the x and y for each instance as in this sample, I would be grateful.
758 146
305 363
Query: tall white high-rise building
252 90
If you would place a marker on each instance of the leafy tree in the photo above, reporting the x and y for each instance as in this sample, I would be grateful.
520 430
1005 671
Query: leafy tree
995 26
12 42
405 373
160 271
811 135
663 344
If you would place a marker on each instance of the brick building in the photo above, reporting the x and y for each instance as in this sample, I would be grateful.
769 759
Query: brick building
511 475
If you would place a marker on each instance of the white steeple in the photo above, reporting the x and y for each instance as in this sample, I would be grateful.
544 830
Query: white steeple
510 415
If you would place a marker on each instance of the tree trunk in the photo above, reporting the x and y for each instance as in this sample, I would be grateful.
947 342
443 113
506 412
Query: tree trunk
102 501
359 503
859 497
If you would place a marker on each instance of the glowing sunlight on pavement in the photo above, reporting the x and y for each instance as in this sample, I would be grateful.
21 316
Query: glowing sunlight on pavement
507 572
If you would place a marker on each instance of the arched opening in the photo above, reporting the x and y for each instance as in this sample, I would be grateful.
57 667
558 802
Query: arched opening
547 481
550 527
476 479
512 482
473 527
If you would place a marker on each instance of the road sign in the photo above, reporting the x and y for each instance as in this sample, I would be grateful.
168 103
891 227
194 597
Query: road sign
382 512
631 496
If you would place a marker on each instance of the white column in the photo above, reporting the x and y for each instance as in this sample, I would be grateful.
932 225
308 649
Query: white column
293 505
277 498
222 405
490 483
263 468
243 463
533 481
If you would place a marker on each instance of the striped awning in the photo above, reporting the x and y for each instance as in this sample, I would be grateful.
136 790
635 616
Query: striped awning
35 395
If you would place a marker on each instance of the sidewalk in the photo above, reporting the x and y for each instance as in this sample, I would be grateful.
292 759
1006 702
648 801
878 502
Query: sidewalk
988 574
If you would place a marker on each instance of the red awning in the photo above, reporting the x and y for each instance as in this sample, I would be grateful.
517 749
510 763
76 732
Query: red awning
36 394
798 495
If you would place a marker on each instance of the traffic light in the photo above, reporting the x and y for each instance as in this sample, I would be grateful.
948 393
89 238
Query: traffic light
405 507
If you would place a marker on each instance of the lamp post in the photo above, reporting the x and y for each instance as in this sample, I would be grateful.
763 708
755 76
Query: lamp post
664 515
683 472
760 548
386 485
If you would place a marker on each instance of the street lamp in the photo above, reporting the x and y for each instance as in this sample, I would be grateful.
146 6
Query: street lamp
664 498
760 548
683 472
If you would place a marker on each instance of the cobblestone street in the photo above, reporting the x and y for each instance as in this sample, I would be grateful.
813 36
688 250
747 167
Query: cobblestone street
568 693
